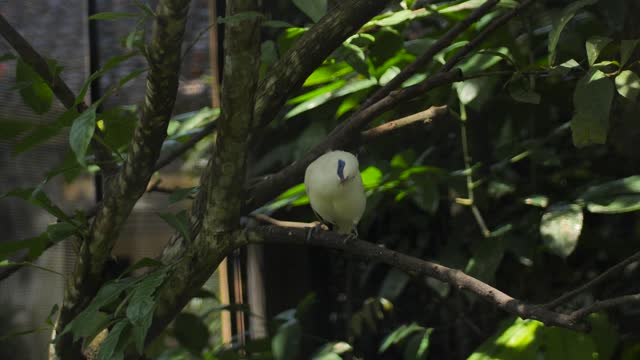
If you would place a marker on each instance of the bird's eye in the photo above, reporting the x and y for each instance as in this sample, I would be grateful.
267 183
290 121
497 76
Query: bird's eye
341 165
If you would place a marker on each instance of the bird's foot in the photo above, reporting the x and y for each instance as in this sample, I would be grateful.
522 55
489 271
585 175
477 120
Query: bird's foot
352 236
311 230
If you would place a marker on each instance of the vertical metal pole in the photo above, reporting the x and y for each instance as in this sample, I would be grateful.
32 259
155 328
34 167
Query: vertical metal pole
223 274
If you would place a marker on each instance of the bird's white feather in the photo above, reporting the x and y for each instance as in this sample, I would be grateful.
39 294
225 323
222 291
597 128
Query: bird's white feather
338 201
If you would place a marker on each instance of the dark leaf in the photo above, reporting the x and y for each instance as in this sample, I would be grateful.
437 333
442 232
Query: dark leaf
191 332
567 14
315 9
82 132
592 101
180 222
36 93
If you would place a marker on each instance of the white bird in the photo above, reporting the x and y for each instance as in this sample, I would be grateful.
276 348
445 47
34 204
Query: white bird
334 186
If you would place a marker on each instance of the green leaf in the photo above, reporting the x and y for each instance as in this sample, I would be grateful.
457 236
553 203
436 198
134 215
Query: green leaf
112 347
142 305
286 342
60 231
82 132
592 102
35 92
276 24
191 332
111 63
393 284
9 129
562 343
521 90
560 228
108 293
7 57
398 335
42 133
180 222
34 245
118 124
418 346
113 16
181 194
314 9
594 47
38 198
332 351
618 196
626 49
628 84
567 14
486 258
371 177
355 57
515 341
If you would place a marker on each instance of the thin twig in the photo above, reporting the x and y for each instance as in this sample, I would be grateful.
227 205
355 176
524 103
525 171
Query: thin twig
580 314
595 281
423 117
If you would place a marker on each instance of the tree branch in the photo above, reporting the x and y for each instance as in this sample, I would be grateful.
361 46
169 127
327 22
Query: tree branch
308 52
411 265
126 187
580 314
218 205
422 117
30 56
62 91
594 282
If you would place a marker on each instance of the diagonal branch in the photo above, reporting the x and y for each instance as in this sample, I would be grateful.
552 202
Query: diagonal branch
39 64
308 52
126 187
594 282
62 91
411 265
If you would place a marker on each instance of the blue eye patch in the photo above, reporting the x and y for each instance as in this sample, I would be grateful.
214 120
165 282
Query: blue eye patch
341 165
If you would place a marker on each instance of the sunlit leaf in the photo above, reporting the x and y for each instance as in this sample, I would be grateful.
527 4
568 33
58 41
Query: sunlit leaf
618 196
628 84
594 47
560 228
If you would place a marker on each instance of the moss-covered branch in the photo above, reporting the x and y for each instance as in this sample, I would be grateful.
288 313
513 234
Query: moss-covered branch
223 190
125 188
